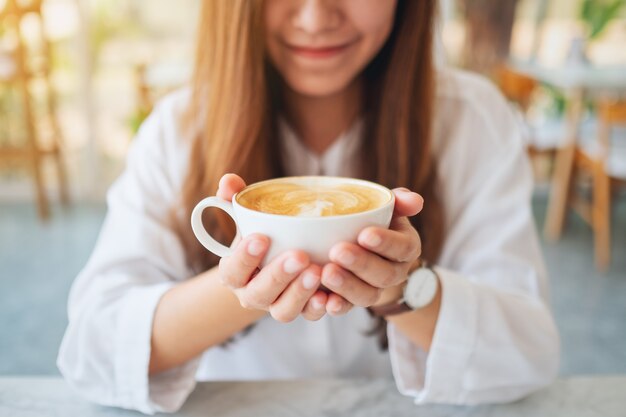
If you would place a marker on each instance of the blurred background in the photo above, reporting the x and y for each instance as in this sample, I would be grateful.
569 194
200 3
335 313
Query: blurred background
77 77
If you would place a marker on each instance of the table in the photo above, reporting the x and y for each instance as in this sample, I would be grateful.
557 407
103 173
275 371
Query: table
576 81
601 396
576 76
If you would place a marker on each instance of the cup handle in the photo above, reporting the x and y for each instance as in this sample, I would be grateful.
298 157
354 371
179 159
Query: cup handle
198 228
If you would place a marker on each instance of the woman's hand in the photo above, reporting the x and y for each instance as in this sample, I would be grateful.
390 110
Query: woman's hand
286 287
371 271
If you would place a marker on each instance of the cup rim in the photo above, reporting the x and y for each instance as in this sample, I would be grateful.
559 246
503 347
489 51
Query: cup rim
390 200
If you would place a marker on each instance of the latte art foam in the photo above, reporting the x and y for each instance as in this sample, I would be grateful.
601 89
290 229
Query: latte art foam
291 199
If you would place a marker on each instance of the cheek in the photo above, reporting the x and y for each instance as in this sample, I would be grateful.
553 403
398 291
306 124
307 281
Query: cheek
374 23
275 14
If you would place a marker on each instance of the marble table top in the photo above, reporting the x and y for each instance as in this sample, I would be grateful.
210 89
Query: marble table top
603 396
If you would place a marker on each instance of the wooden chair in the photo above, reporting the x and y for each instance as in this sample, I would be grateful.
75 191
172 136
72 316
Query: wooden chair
603 159
154 80
24 69
541 141
516 87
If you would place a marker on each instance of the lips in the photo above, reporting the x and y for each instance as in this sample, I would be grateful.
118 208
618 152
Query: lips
319 52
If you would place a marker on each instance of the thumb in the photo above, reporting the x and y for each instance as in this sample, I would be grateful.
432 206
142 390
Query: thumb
407 203
229 185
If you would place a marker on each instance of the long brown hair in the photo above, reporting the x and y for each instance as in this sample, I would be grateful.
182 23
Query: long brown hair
234 105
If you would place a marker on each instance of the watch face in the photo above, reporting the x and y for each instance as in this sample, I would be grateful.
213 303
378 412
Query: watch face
421 288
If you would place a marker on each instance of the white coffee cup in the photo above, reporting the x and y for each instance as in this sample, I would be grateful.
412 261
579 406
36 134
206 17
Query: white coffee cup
314 235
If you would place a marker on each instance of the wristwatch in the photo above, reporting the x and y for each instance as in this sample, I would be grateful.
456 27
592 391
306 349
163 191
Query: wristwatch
419 291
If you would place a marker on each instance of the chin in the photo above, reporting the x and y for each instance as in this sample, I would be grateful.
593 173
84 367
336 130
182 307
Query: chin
318 86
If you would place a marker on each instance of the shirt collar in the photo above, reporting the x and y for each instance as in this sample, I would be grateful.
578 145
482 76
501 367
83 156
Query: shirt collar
337 160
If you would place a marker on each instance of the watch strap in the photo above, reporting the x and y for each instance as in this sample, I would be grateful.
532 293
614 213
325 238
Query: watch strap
390 309
396 307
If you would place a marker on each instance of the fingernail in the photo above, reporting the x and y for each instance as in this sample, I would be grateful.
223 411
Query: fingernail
335 280
372 240
315 303
292 265
256 247
309 280
407 191
335 308
346 257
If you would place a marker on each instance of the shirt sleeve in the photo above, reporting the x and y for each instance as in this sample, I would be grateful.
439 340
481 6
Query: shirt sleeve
105 351
495 338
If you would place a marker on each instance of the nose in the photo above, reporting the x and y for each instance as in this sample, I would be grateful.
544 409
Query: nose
315 16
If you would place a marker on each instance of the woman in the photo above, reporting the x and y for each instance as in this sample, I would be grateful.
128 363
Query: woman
318 87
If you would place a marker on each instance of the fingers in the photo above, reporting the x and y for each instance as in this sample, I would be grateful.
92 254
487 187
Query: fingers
368 266
337 305
315 308
229 185
271 281
407 202
291 303
350 287
400 243
236 270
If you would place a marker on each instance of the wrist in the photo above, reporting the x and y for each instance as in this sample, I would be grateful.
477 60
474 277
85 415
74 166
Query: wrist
390 294
419 291
396 292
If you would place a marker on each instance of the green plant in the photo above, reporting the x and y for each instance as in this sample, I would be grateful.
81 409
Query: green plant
135 120
557 100
108 19
598 13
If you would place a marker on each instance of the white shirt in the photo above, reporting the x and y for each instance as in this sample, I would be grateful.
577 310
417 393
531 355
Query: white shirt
495 338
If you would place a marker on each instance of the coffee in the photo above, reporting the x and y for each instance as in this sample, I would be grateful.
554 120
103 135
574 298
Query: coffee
312 199
308 213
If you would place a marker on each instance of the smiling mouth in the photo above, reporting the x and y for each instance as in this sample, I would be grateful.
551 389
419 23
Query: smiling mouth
319 52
